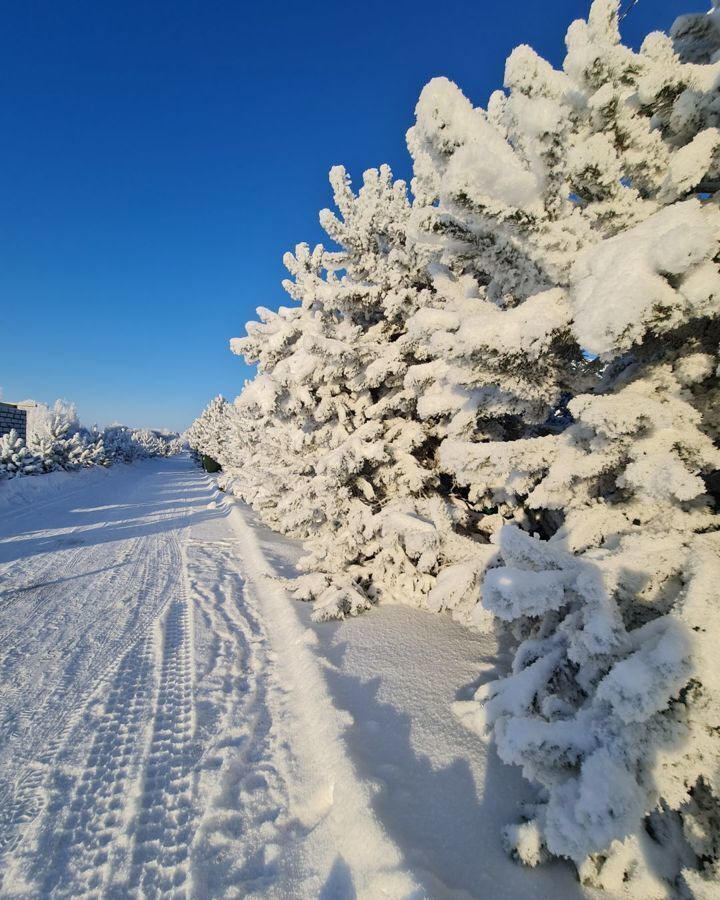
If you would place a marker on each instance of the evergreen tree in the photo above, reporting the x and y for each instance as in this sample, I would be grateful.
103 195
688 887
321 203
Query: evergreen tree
342 458
612 699
119 445
507 390
16 458
209 433
62 445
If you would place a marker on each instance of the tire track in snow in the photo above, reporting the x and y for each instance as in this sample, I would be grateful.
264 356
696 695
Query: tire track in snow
39 724
90 847
163 826
42 730
38 739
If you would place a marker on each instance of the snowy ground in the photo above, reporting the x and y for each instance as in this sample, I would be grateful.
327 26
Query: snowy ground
171 724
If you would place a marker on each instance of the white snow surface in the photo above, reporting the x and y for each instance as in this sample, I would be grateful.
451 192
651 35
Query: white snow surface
171 723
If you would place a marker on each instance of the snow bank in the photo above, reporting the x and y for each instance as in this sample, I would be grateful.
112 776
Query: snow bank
18 493
329 800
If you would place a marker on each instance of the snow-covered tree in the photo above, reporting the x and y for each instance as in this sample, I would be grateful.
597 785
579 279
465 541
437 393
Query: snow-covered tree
58 442
175 444
612 700
119 445
148 442
507 389
123 444
335 449
40 417
16 458
61 444
210 432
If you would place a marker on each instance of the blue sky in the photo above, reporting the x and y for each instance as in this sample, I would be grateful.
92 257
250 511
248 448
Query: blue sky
158 158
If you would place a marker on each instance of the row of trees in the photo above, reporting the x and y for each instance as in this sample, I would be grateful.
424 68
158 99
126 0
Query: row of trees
58 442
499 397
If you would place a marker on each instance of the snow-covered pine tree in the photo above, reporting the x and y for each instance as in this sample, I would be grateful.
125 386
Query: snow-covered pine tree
94 453
210 432
384 536
337 427
612 704
265 451
176 444
576 212
118 444
149 444
301 404
16 458
496 208
61 444
52 446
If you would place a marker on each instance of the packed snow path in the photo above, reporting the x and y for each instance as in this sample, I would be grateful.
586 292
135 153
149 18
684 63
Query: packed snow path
172 725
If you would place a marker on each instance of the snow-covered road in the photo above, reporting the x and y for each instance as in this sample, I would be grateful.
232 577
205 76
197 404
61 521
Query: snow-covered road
171 724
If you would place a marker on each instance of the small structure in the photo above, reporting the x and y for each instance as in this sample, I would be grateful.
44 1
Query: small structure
12 416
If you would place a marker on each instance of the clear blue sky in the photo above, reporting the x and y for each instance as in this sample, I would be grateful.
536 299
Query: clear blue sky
157 159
